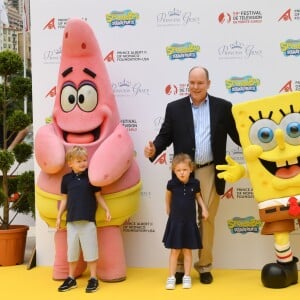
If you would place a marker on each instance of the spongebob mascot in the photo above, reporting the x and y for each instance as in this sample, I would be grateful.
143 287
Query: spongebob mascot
86 113
269 130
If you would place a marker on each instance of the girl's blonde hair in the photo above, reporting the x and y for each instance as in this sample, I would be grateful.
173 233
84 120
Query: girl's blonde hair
76 152
182 157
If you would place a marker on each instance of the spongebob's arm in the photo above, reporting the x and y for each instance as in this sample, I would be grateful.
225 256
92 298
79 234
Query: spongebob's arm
232 172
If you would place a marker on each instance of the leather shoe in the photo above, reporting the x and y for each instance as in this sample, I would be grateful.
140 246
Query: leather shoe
179 276
206 278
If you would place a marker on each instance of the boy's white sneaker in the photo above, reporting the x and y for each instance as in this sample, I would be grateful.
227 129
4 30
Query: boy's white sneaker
186 282
171 282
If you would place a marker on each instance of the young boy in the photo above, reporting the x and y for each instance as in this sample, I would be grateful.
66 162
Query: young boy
79 199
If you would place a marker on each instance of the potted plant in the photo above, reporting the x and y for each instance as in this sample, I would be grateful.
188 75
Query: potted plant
16 189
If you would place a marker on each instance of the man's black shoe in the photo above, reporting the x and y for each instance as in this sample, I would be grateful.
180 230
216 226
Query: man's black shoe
206 278
179 276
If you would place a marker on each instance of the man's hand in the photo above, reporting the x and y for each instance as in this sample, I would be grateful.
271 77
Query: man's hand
149 150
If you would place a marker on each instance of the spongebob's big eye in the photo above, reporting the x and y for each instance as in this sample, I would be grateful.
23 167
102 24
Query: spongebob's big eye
265 135
290 125
87 97
293 130
68 97
262 134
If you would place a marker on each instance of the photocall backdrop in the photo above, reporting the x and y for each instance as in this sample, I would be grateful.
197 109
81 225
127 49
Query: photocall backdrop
251 50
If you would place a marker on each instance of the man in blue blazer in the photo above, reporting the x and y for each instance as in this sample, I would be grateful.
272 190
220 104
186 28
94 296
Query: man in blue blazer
199 125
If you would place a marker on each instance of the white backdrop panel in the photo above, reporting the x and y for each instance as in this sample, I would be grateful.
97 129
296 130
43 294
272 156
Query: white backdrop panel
228 48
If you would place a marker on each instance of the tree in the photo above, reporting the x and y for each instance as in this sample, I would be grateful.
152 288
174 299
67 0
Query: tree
17 191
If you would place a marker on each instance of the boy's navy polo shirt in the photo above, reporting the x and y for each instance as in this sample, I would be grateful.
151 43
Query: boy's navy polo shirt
81 200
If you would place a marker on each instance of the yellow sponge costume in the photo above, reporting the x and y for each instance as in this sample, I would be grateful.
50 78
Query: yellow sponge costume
269 130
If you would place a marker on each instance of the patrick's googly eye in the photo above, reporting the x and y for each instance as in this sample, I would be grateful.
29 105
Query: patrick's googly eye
87 97
68 98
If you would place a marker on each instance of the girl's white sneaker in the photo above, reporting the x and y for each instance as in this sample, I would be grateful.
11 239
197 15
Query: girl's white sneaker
171 282
186 282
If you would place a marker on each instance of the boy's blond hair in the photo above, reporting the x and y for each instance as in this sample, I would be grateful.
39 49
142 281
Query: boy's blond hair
182 157
76 152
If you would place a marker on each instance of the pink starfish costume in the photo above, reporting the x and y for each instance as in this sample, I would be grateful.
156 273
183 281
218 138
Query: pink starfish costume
85 112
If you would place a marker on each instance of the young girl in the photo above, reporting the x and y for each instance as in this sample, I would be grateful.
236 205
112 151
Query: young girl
182 232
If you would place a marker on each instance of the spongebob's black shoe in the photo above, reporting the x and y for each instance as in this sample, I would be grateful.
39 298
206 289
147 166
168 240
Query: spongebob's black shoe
280 275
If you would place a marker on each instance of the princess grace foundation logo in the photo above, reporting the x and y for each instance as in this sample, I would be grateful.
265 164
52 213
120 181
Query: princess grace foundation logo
239 50
176 17
52 56
129 88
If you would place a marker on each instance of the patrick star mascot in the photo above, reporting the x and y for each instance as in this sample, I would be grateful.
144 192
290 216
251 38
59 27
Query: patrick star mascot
85 112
